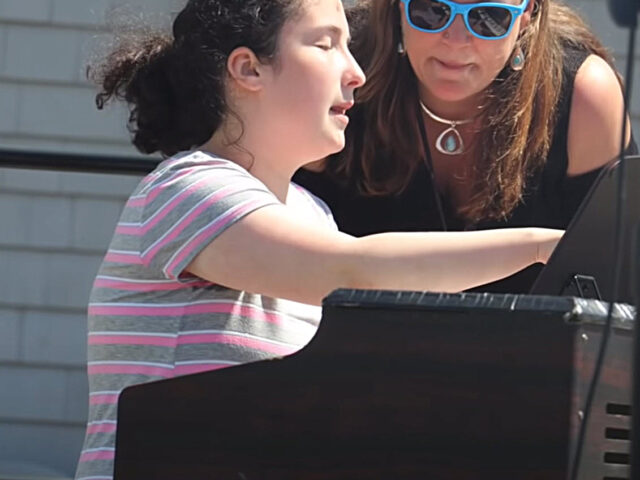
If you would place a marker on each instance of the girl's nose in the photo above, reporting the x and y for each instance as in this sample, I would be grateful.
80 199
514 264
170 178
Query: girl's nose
354 76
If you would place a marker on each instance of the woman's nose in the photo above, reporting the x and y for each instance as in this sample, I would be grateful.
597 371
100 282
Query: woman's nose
457 31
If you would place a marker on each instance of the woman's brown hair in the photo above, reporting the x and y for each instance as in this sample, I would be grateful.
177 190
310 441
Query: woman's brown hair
384 146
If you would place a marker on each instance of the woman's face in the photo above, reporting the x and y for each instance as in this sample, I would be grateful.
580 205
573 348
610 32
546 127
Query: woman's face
454 65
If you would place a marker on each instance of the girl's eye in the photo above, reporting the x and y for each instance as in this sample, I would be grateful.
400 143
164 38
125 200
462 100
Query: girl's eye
325 42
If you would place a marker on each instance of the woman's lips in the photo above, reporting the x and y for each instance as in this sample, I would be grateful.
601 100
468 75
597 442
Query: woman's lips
452 66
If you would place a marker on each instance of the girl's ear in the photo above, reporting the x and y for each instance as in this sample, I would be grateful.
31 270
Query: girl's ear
245 69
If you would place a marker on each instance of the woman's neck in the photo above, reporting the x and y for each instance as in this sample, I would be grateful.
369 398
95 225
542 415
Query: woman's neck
458 110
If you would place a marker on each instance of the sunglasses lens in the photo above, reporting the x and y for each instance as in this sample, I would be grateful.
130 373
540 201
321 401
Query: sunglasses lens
429 14
490 21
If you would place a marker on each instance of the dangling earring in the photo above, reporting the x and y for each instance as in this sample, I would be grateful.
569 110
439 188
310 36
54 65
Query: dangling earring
536 8
401 49
517 59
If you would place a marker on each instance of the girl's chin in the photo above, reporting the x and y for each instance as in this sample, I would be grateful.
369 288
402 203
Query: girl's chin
329 148
336 142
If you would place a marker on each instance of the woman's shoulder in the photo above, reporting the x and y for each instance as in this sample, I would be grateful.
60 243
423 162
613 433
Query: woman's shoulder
573 56
595 117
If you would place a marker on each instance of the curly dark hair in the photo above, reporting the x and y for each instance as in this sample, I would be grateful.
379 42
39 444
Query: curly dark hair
175 84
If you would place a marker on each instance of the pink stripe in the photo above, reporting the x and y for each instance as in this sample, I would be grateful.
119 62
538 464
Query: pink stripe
256 344
103 399
198 367
237 340
166 164
101 428
130 258
103 455
206 233
129 369
205 308
154 192
147 287
151 177
186 221
139 230
132 340
143 200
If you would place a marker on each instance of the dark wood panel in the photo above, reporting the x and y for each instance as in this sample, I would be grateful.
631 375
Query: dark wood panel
386 391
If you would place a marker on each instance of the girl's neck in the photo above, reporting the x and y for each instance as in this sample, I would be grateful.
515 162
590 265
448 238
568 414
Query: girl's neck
275 179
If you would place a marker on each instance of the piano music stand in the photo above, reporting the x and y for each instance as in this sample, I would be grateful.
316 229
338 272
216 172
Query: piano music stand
582 263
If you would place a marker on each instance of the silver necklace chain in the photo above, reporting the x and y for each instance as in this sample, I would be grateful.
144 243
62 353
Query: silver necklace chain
451 123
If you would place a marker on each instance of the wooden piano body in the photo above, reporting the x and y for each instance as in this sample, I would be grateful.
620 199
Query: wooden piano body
399 386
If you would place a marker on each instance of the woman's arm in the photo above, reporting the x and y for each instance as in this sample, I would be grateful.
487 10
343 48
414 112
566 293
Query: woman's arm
595 121
273 252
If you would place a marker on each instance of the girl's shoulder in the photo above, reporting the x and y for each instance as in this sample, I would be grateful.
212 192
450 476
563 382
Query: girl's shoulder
197 159
184 168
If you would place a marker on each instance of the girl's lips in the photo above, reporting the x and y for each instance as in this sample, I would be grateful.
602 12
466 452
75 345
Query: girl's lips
342 108
339 112
340 118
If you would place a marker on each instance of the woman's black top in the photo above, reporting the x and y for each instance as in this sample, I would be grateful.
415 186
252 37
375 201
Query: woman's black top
550 197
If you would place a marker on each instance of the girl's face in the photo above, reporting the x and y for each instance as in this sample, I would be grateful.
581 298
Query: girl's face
453 65
311 85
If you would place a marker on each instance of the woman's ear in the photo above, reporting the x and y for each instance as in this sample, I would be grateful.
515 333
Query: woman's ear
525 19
245 69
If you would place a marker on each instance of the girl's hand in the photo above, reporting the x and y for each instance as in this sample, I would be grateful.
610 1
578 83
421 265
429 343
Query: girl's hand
547 240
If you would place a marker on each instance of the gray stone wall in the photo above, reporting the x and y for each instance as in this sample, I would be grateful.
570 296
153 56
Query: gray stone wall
55 226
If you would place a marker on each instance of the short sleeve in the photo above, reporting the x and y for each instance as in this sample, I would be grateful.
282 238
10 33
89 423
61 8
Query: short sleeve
188 206
318 206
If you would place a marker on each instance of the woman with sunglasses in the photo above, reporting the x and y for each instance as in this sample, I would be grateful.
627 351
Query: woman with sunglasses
474 115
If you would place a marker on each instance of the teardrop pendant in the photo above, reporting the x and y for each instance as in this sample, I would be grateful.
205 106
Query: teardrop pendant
450 142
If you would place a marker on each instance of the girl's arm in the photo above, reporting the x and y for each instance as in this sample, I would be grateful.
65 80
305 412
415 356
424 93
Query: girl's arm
273 252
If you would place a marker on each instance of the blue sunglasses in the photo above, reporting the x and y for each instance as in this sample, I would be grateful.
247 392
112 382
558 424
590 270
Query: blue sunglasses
485 20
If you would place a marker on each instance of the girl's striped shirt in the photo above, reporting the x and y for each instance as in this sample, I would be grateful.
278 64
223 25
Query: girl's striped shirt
150 320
